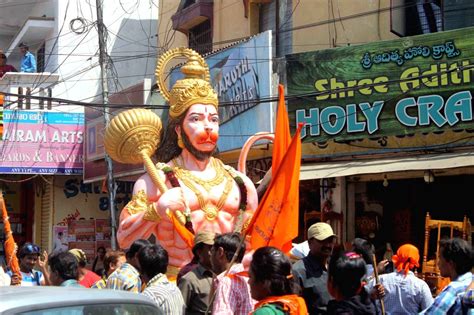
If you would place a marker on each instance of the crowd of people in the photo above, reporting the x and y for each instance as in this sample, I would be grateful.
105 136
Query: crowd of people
326 281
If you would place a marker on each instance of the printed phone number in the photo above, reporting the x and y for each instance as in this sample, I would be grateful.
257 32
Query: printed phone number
45 171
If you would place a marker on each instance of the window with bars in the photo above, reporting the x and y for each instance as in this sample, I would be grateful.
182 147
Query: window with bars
40 54
200 37
414 17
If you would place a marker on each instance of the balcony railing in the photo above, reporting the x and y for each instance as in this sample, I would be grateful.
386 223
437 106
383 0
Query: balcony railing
20 89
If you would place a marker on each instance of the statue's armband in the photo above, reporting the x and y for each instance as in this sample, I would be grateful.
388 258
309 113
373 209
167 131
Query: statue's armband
140 203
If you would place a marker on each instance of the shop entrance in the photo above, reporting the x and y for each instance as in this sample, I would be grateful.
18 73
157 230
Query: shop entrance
19 198
396 213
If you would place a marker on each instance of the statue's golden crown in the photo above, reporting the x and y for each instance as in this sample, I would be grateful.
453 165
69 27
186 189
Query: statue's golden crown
194 88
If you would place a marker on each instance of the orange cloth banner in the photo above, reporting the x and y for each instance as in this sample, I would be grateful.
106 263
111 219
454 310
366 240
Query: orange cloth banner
9 245
275 222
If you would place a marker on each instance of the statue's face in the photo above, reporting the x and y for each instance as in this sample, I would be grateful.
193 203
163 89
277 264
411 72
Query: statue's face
201 127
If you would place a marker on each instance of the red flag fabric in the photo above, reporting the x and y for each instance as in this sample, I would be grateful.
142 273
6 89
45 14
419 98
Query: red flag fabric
275 222
282 131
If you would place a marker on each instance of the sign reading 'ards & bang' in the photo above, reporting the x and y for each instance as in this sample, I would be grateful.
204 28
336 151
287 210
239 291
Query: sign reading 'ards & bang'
412 86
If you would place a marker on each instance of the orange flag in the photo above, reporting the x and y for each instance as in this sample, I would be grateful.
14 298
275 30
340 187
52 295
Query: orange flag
10 245
282 131
275 222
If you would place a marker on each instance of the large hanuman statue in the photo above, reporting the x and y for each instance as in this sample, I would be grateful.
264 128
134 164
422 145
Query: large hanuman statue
201 189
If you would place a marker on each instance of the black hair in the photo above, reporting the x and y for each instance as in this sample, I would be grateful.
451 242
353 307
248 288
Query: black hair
135 247
345 271
363 248
23 45
270 264
64 264
197 248
29 249
169 148
100 247
459 252
230 243
153 260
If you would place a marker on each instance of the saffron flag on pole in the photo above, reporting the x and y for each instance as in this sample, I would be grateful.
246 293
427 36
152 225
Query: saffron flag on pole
282 131
9 245
275 222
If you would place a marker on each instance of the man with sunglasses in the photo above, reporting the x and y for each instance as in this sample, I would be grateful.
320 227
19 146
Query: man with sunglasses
28 255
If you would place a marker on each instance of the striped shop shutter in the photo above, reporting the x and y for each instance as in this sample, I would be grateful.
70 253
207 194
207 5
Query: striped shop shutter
46 224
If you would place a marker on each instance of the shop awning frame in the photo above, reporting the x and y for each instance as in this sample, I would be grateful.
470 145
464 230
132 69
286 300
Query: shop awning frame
387 165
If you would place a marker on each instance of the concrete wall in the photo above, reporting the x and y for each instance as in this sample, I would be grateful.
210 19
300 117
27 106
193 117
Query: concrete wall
229 22
130 44
332 31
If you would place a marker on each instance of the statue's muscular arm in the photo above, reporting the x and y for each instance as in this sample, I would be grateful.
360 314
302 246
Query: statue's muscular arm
135 225
132 225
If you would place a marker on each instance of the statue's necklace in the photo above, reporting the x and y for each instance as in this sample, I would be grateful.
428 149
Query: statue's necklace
189 179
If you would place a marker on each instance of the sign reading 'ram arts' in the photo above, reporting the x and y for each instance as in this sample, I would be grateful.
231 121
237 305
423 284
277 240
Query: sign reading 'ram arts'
37 142
412 86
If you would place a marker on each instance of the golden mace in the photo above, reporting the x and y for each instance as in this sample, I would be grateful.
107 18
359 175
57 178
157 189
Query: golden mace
132 137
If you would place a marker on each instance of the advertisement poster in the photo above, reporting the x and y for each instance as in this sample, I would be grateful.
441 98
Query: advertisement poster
410 93
105 244
60 239
82 230
37 142
102 229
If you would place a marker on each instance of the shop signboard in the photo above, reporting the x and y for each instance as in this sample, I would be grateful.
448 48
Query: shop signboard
40 142
242 76
410 93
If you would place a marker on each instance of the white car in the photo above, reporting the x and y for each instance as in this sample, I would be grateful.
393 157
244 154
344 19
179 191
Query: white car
43 300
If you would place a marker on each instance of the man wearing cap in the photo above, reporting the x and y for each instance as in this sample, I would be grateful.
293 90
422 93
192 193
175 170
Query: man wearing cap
29 256
85 277
311 271
195 286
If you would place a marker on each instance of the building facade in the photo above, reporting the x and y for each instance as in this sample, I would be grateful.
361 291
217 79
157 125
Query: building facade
43 112
360 184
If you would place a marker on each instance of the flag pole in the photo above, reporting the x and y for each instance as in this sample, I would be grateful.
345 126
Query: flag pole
377 281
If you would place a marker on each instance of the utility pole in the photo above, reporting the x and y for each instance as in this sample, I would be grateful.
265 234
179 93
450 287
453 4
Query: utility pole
105 99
